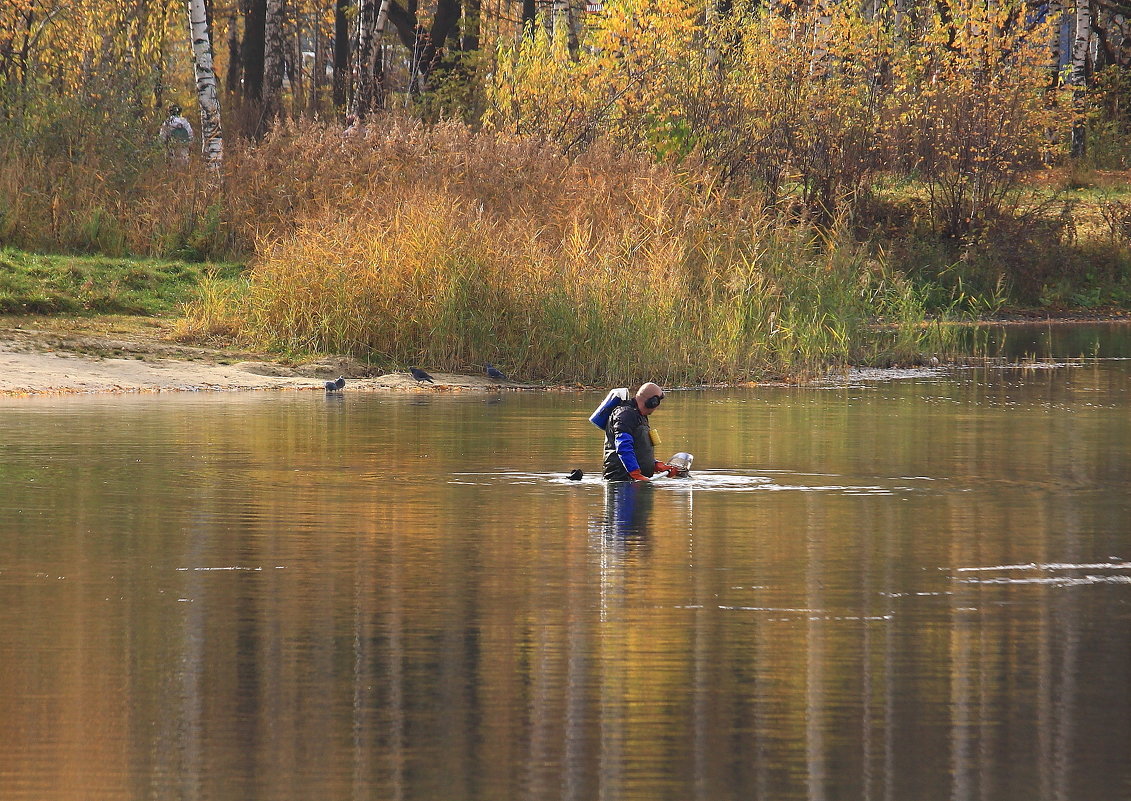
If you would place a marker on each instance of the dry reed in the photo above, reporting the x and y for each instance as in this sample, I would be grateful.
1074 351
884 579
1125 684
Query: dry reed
405 243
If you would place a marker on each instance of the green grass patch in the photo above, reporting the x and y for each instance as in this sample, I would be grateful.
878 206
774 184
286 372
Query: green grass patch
32 283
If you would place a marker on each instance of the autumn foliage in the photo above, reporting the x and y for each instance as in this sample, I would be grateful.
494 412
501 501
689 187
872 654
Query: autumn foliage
461 247
728 167
822 96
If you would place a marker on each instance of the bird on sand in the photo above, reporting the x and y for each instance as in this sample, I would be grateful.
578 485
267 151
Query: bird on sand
335 386
575 475
420 375
494 372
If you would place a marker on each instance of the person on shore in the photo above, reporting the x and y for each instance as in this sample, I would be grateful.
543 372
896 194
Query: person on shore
353 127
176 134
629 441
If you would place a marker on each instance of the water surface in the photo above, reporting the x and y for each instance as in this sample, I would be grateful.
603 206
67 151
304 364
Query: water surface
884 589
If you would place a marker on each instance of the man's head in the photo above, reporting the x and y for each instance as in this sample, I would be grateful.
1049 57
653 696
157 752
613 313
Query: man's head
174 110
648 397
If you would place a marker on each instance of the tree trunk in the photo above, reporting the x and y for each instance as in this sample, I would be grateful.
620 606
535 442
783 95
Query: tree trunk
25 48
529 16
823 20
255 16
341 53
235 63
296 67
382 17
318 69
1079 75
363 92
1057 19
574 14
273 55
424 45
377 59
212 143
472 18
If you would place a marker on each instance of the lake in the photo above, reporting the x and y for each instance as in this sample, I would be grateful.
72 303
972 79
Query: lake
868 589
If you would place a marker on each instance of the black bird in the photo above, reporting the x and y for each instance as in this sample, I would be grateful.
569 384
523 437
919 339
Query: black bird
335 386
420 375
576 475
495 373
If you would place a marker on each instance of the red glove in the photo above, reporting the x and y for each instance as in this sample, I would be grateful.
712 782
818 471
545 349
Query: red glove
637 475
664 467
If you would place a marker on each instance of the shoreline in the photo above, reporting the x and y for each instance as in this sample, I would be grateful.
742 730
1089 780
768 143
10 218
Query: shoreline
58 356
49 356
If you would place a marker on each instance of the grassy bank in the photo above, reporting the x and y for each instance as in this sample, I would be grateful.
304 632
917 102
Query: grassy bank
450 249
441 246
75 285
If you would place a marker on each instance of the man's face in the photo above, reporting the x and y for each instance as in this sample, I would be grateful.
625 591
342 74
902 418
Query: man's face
648 397
651 403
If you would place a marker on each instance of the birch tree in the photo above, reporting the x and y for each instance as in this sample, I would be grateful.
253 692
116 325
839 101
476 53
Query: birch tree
1078 76
1056 14
364 90
212 143
274 48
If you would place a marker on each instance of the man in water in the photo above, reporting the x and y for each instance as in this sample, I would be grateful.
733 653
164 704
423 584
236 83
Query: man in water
629 444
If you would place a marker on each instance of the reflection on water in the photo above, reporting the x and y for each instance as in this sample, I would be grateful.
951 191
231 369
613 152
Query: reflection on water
1053 340
883 590
628 512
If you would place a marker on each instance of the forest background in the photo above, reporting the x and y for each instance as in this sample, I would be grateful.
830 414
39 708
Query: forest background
578 191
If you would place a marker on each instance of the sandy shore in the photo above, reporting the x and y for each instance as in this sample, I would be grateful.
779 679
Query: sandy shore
56 356
52 356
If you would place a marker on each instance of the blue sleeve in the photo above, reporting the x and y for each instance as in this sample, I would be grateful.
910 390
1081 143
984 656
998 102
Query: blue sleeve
627 452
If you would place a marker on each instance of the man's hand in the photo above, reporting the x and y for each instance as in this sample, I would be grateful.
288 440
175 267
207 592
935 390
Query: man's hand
638 476
664 467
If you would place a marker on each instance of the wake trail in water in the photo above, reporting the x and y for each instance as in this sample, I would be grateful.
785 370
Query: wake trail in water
707 481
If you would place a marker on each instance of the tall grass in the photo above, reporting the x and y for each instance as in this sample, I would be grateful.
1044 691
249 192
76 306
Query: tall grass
447 247
450 249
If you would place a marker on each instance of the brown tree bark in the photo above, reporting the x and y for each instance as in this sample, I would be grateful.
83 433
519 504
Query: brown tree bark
274 53
233 80
472 18
425 44
255 16
341 53
364 91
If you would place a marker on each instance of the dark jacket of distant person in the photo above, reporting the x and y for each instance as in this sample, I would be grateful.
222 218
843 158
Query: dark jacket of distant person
628 444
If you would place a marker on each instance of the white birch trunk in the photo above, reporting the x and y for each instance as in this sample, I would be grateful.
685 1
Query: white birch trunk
1081 43
273 48
368 18
1056 23
819 59
211 134
1079 75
